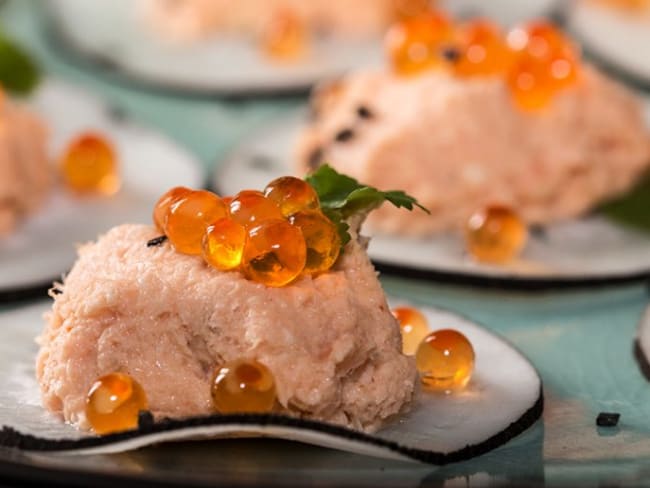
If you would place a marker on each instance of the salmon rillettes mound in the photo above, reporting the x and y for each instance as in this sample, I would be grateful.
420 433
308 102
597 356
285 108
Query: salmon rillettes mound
458 145
194 19
169 319
25 173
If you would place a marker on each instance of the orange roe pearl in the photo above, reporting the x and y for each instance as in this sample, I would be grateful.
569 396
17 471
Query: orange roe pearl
445 360
410 8
413 45
482 50
114 402
545 63
243 386
275 253
285 37
250 207
292 195
495 234
89 165
189 217
413 326
161 209
223 244
322 240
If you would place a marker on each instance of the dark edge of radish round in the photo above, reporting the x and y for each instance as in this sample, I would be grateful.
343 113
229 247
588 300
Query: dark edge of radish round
641 359
10 437
37 291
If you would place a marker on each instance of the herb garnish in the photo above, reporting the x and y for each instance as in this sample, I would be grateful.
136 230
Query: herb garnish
342 197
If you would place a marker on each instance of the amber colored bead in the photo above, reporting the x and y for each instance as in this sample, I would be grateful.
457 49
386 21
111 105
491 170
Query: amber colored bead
223 244
445 360
161 209
292 195
482 50
495 234
243 386
89 165
190 216
322 240
251 207
545 62
414 45
114 402
404 9
285 37
413 326
275 253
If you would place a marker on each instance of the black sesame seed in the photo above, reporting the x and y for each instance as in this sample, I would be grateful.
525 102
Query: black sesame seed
145 419
56 291
607 419
344 135
156 241
364 112
450 53
315 158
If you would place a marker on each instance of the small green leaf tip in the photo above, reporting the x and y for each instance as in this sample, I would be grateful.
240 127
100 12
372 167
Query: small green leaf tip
18 72
341 197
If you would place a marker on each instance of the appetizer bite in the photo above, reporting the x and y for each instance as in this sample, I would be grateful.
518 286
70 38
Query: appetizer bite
481 126
261 302
25 172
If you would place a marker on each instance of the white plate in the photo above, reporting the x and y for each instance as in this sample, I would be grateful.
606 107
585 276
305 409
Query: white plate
43 247
618 38
222 64
503 398
585 251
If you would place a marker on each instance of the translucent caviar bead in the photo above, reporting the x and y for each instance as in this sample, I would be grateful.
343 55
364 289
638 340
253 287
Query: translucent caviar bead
251 207
413 326
292 195
322 240
275 253
161 209
285 37
545 63
445 360
223 244
190 216
89 165
114 402
243 386
495 234
414 44
482 50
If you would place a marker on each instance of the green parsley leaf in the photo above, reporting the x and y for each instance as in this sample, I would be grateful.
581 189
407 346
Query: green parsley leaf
632 209
341 197
18 73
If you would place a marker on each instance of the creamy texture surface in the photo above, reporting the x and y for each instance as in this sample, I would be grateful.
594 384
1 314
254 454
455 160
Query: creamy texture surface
191 19
25 174
459 144
169 320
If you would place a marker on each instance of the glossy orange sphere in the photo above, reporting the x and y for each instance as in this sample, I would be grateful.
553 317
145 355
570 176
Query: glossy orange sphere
243 386
292 195
322 240
251 207
483 50
161 208
89 165
445 360
495 234
223 244
413 326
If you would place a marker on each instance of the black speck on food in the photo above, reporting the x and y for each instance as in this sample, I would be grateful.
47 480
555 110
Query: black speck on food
607 419
156 241
364 112
344 135
145 419
450 53
315 158
56 291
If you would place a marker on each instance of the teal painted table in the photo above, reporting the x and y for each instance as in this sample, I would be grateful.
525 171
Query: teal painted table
580 341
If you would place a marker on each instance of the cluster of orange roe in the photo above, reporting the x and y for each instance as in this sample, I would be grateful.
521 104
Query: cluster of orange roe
271 236
115 401
495 234
444 358
285 38
536 60
89 165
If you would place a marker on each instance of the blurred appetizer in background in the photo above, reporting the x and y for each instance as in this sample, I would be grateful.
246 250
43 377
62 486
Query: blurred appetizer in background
465 116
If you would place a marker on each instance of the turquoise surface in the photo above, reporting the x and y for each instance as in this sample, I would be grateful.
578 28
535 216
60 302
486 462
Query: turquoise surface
580 341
